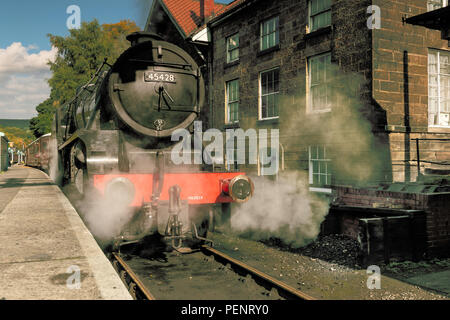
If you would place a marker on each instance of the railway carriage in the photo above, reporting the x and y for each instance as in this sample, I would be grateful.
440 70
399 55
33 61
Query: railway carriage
37 154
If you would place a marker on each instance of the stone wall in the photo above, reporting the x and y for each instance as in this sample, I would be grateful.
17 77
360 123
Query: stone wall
374 202
349 41
400 85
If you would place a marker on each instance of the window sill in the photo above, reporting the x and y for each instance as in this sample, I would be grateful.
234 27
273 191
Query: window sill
271 49
321 190
233 125
318 32
230 64
438 127
268 121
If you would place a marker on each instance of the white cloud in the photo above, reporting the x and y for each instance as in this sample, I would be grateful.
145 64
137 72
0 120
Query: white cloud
23 80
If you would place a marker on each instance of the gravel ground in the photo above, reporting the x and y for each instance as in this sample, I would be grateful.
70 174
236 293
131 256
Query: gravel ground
318 271
338 249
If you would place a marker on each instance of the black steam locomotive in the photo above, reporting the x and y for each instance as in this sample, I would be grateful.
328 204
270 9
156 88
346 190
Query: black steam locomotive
114 143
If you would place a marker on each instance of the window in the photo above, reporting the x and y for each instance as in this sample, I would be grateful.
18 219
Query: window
269 88
232 103
319 83
319 166
436 4
269 36
233 48
438 88
319 14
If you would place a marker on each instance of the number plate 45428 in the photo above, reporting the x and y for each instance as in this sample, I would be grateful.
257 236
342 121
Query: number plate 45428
151 76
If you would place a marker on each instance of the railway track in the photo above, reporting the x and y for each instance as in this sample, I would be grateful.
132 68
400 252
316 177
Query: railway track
207 274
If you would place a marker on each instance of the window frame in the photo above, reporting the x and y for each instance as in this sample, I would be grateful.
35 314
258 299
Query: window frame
310 16
444 3
310 108
276 32
328 173
438 97
227 102
228 49
260 94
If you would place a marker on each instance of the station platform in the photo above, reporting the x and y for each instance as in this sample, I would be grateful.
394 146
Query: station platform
46 251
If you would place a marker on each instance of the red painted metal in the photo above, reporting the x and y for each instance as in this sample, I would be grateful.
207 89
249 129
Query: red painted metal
197 188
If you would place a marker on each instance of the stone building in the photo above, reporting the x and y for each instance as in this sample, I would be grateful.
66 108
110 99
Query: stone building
348 83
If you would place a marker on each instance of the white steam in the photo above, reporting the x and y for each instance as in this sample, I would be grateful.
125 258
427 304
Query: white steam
55 170
284 209
105 218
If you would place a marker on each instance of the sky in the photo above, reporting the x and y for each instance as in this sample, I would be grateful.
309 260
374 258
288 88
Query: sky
25 48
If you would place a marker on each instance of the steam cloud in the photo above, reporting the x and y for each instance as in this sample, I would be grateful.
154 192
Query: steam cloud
55 171
105 218
284 208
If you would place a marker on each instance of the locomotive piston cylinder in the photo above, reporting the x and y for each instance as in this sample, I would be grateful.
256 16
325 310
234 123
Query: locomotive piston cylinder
240 188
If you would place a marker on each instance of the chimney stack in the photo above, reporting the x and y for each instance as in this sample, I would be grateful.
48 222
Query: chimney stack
206 10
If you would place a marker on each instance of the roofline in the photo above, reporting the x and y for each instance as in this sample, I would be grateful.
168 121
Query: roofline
150 14
221 17
45 135
167 11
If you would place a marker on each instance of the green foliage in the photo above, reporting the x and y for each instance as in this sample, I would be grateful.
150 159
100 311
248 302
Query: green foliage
22 124
79 56
18 136
42 124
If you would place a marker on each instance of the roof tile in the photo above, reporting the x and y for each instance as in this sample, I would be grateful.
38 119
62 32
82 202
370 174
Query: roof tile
187 13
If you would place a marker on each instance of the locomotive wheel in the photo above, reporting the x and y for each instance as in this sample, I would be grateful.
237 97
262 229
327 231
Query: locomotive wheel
79 180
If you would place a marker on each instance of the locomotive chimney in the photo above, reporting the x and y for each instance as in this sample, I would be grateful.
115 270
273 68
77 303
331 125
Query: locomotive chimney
142 36
206 10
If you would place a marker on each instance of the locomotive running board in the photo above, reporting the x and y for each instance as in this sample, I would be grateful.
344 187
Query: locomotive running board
68 141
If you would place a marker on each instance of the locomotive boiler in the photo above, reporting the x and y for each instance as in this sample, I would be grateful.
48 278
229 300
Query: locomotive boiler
114 144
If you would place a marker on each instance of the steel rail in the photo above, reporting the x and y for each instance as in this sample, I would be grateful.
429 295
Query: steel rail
256 274
134 278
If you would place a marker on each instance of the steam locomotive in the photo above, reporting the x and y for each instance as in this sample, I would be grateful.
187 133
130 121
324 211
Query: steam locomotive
114 142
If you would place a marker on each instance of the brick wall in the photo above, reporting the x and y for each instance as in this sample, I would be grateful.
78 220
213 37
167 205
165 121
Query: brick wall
349 41
400 85
436 207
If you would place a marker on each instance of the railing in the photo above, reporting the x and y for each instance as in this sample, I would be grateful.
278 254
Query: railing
427 161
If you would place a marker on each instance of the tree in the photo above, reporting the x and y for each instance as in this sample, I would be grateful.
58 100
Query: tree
79 56
115 37
18 136
42 124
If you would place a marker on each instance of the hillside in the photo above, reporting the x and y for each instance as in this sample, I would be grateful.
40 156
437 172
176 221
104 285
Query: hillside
11 123
17 131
